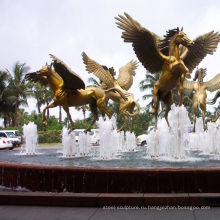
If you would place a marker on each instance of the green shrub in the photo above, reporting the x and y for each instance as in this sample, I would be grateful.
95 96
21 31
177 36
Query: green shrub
49 136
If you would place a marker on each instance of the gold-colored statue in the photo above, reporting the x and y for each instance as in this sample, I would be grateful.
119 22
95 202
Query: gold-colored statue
69 90
200 87
175 55
212 102
119 85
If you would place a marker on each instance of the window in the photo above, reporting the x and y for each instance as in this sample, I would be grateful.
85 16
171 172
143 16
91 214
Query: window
3 135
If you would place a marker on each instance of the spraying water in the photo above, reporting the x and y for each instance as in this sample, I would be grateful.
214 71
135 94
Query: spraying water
171 143
30 139
68 142
84 143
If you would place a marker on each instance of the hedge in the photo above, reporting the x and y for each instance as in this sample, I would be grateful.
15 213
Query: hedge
49 136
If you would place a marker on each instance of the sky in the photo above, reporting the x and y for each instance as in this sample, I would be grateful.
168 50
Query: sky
33 29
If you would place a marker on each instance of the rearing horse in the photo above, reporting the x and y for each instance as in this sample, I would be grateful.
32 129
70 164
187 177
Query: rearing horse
199 97
69 90
163 55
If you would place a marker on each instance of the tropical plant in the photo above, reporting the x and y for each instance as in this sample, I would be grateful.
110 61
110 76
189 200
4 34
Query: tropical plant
17 87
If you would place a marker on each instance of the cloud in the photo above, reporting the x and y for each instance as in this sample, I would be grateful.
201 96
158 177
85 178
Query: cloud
30 30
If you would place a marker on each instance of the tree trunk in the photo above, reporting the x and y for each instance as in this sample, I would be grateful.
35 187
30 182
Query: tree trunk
38 108
5 121
15 117
48 112
60 114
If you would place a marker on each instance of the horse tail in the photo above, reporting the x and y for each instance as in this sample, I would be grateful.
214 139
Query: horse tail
117 90
212 101
136 112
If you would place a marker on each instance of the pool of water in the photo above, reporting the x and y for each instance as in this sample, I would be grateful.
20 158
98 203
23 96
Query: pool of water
138 159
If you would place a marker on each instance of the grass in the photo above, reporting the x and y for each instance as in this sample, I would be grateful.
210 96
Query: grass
49 144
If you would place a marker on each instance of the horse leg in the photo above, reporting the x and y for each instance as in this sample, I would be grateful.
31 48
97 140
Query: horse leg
216 118
123 112
101 104
66 109
180 90
203 107
52 105
194 111
131 110
168 102
125 122
94 110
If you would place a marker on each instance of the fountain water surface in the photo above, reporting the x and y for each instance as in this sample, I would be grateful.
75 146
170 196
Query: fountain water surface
166 147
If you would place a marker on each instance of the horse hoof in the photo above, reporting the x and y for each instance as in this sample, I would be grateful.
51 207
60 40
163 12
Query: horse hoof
44 123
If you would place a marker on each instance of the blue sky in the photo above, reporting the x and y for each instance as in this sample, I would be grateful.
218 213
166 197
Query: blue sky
31 29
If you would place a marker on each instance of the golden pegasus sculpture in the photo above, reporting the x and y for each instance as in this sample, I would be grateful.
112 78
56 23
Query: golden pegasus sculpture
69 90
175 56
119 86
212 102
199 97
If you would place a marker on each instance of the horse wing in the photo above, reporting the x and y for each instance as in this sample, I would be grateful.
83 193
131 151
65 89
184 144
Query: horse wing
213 84
144 42
35 77
71 79
125 77
98 70
200 47
188 85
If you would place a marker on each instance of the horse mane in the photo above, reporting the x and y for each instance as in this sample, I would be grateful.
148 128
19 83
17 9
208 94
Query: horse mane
203 70
169 34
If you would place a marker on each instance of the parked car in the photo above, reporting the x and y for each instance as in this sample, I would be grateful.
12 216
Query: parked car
10 137
17 134
5 143
142 139
94 137
77 132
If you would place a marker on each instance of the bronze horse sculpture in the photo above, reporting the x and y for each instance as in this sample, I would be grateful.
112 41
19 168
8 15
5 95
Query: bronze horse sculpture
212 102
199 97
69 90
175 56
121 85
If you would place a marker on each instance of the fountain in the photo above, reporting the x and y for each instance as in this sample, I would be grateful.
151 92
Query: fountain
30 139
68 142
89 172
173 147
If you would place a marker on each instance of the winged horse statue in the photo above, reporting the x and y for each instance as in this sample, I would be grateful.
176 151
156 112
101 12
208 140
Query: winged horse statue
175 56
69 90
119 86
199 96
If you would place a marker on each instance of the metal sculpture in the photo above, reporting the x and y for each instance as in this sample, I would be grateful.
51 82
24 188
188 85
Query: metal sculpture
212 102
166 55
69 90
200 87
119 85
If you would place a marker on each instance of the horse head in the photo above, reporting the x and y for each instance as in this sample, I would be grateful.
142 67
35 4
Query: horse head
200 74
45 70
173 38
181 38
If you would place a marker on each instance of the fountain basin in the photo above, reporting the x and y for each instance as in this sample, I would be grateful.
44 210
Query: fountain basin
109 179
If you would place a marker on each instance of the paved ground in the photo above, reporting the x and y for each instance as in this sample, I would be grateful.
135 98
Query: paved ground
73 213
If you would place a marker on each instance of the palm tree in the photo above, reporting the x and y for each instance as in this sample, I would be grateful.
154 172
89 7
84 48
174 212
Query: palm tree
93 81
18 87
38 94
148 83
84 108
7 99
